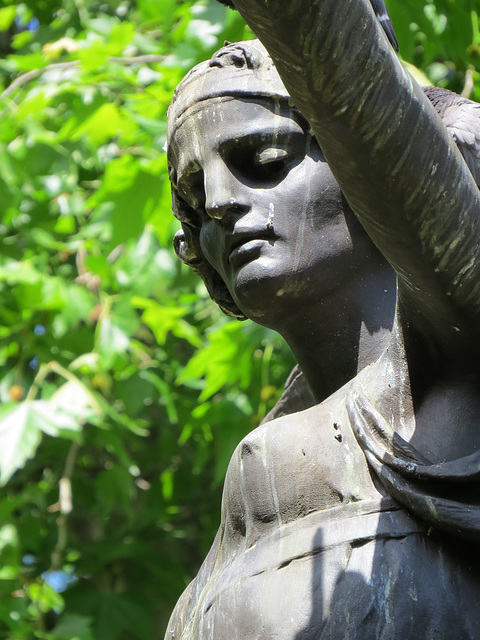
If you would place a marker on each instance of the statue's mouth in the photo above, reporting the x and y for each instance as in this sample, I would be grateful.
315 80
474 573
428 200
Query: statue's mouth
244 245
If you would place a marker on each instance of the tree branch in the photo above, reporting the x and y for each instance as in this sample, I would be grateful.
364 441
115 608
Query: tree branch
27 77
469 83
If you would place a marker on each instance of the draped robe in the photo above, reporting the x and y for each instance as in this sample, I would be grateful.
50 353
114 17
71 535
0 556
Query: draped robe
335 528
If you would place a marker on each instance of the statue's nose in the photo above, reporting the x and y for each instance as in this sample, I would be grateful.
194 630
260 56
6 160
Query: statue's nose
224 194
222 210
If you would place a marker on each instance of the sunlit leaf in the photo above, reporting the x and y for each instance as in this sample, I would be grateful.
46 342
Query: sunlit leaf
7 16
107 122
45 598
20 436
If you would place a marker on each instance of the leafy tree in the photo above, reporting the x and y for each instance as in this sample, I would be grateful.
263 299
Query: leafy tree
123 389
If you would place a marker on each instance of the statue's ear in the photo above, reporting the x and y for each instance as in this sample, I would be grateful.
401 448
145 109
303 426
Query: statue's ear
179 244
185 242
184 245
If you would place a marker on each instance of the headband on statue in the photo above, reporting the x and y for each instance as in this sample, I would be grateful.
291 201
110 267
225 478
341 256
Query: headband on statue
242 69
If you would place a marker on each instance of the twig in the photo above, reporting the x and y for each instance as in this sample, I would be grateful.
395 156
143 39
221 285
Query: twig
82 11
149 58
469 85
65 500
35 73
64 66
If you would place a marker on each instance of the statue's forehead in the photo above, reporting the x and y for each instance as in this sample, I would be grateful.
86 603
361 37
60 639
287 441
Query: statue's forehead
191 128
239 113
232 101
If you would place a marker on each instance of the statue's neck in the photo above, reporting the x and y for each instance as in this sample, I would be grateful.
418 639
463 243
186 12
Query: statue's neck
337 337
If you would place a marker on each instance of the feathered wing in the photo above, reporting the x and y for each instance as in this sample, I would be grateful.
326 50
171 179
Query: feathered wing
463 122
462 119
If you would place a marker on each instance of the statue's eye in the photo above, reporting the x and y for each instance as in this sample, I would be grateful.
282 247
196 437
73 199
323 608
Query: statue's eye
272 154
271 163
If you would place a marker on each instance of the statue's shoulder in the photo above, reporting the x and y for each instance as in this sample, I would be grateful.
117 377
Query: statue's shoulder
293 466
306 433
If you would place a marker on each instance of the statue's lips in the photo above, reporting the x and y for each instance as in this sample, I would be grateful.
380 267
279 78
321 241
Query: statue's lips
244 246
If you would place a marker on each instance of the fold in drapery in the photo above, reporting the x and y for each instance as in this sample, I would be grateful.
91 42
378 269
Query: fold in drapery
446 495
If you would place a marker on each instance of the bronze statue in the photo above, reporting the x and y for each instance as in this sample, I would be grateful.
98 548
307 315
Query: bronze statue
357 518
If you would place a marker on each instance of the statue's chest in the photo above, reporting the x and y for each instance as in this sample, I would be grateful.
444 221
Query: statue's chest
293 467
309 548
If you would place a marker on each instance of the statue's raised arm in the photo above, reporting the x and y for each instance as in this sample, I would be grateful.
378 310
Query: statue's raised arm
400 171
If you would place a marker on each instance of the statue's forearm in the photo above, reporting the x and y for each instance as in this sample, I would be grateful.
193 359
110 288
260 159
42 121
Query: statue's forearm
391 155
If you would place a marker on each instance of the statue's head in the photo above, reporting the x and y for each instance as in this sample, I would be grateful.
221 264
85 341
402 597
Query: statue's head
239 70
263 219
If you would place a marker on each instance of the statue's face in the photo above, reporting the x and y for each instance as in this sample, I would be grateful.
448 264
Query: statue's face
272 219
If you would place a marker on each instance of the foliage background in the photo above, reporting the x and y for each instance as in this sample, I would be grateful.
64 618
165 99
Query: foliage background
123 389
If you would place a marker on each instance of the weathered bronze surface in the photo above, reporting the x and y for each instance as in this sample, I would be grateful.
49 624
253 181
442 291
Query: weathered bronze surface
360 516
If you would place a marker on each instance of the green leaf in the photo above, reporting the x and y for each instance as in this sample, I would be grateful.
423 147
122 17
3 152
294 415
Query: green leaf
73 400
112 341
21 425
8 536
162 320
214 361
44 597
132 200
33 105
19 272
121 35
20 436
107 122
9 572
7 16
165 392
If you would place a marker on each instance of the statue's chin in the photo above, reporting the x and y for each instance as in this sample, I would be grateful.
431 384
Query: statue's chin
265 293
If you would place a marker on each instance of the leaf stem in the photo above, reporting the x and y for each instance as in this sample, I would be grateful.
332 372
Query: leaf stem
45 369
55 367
474 17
